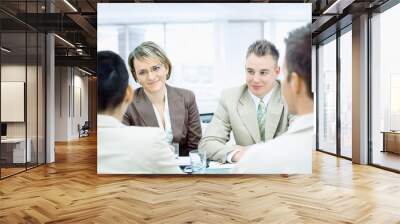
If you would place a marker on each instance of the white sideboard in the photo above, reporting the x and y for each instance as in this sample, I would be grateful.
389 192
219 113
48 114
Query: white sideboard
18 144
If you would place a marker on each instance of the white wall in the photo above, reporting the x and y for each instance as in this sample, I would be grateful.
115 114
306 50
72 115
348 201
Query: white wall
61 103
16 73
80 103
71 94
33 126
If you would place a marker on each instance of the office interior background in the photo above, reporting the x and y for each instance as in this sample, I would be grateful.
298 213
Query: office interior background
206 45
48 88
39 108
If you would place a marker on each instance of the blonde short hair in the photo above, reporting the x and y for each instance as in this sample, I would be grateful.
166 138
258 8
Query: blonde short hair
147 50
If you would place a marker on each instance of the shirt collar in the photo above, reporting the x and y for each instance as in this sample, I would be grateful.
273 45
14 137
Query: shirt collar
166 99
301 122
257 100
108 121
166 113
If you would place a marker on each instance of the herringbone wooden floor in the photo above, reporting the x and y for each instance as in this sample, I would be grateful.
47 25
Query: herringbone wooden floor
70 191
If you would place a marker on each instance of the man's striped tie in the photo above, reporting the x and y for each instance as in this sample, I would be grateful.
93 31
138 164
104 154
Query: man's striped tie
261 119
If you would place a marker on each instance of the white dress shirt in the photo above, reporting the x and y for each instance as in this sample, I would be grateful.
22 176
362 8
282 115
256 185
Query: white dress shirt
289 153
132 150
256 101
167 119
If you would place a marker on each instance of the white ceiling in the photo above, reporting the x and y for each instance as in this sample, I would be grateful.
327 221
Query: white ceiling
125 13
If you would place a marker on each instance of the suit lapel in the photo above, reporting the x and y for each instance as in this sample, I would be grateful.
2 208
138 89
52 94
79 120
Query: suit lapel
247 113
274 111
177 110
145 109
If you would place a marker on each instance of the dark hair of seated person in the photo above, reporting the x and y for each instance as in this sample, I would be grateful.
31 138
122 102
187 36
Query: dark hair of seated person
112 80
298 55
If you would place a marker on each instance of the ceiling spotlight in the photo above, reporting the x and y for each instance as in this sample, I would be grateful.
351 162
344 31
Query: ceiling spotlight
79 51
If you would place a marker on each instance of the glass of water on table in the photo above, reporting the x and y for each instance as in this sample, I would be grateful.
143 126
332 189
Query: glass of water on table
198 160
175 149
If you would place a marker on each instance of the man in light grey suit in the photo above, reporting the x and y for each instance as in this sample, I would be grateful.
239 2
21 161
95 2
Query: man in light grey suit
290 153
255 112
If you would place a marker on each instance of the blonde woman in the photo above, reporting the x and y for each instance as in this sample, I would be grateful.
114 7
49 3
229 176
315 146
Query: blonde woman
157 104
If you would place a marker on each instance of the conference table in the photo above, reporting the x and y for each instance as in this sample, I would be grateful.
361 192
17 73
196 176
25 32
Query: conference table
213 167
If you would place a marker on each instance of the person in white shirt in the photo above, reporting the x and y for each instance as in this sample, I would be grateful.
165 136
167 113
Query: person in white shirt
125 149
290 153
254 112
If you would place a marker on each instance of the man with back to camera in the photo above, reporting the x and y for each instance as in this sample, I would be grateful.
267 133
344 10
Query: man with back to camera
255 112
290 153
